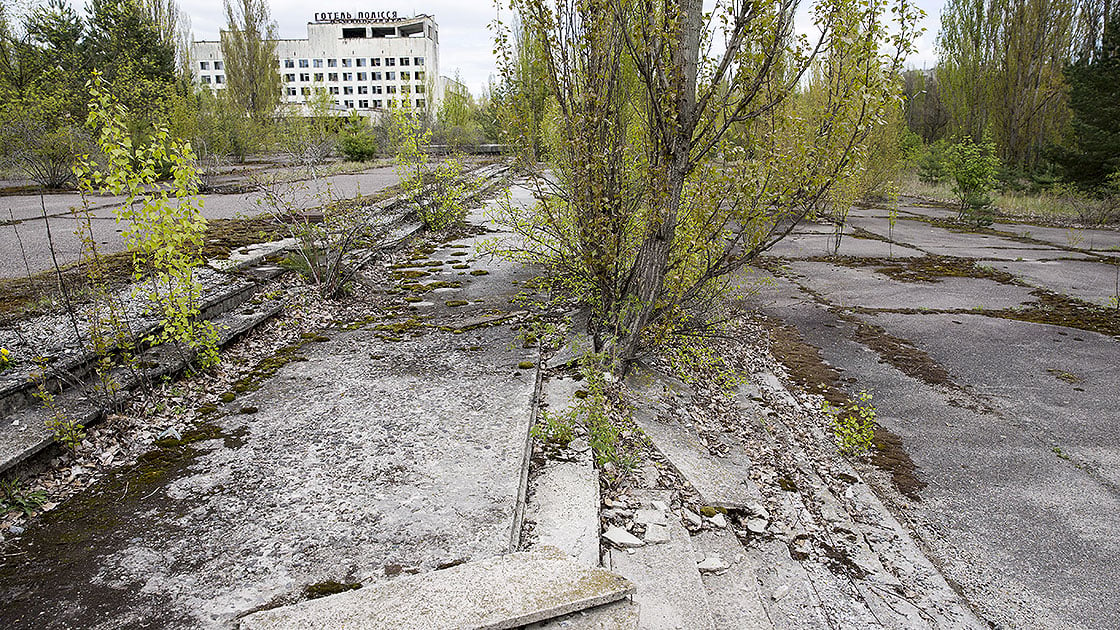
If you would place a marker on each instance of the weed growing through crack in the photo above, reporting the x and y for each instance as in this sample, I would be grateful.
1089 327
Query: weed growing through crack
853 426
13 498
555 428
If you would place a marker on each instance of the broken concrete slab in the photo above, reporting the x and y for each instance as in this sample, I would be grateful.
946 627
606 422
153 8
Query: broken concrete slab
734 594
670 595
252 254
621 538
620 615
506 591
565 508
721 481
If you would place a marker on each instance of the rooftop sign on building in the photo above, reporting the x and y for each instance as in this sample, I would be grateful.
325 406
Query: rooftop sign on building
340 17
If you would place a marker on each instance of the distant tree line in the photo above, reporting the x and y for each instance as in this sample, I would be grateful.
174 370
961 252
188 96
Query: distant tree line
1038 79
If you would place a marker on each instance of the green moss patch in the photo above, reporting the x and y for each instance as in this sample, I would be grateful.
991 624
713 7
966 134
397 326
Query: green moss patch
480 272
454 303
329 587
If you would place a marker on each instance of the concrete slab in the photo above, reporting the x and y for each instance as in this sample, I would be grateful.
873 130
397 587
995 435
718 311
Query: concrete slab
670 594
805 245
501 592
863 286
735 596
1077 238
1090 281
620 615
565 509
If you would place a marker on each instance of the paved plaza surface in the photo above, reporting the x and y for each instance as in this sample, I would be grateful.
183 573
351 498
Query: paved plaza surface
1012 423
22 222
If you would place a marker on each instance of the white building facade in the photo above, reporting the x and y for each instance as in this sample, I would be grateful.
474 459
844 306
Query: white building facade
367 61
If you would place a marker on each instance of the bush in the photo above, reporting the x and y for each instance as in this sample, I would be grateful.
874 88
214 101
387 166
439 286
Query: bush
933 167
43 153
358 141
973 167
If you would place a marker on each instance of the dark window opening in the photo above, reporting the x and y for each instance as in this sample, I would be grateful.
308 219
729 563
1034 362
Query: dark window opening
354 33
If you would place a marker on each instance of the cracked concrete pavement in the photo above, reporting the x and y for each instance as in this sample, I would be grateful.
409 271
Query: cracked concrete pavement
1020 450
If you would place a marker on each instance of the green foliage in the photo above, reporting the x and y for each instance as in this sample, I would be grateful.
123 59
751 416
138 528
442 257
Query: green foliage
14 498
1093 153
309 137
933 163
439 194
358 140
973 168
249 51
554 428
853 426
164 223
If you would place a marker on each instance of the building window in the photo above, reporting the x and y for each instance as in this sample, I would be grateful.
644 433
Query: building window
375 76
334 91
347 76
289 63
205 65
420 103
363 89
332 76
218 78
306 91
419 75
217 65
347 89
318 76
391 103
303 63
376 104
419 89
417 61
389 61
362 76
346 63
318 63
404 61
405 89
305 76
291 91
404 76
332 63
348 104
390 76
375 61
206 79
391 89
377 89
290 78
361 62
363 104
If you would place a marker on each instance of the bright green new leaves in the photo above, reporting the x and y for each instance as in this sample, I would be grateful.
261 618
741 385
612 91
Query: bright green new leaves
162 215
438 194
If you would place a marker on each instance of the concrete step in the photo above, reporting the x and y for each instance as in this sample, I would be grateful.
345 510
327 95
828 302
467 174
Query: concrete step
620 615
721 481
564 494
24 433
670 594
735 595
506 591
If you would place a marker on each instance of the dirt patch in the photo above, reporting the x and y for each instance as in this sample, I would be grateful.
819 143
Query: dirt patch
806 366
900 353
889 455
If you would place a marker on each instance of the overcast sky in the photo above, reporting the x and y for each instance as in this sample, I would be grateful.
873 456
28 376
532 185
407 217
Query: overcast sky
466 42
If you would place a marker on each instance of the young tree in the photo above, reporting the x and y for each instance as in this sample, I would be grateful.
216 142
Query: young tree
677 160
249 51
1094 154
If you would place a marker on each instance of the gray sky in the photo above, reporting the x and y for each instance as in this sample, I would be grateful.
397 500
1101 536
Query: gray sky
466 43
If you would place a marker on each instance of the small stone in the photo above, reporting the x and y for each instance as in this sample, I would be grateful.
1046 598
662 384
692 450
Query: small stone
719 520
692 520
759 511
656 534
580 445
621 538
659 505
713 564
757 526
16 530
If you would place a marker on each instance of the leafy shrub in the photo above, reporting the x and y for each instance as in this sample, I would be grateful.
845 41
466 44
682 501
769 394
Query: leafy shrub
853 426
933 167
357 141
13 498
973 167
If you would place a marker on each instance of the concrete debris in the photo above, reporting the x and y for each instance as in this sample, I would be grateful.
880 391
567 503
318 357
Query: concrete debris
691 519
657 534
713 564
719 520
621 538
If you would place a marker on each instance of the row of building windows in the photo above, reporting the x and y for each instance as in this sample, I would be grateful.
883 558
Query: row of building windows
359 62
218 79
349 76
362 89
377 104
331 63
